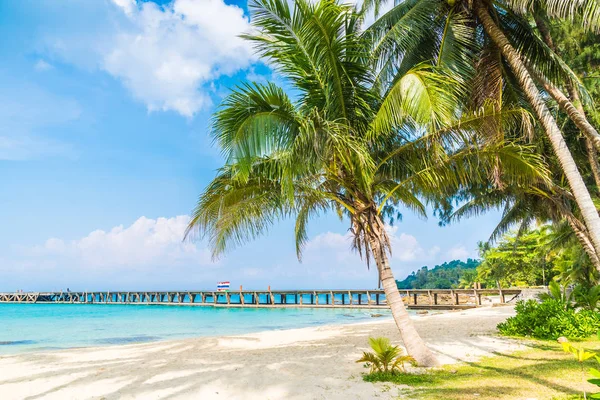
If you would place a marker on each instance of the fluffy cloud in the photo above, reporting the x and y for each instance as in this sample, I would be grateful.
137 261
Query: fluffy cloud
167 56
333 248
145 243
458 253
148 254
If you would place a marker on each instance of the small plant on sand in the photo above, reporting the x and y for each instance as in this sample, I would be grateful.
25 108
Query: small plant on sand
385 358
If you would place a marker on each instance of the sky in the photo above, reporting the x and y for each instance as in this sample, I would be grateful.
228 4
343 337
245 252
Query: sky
105 108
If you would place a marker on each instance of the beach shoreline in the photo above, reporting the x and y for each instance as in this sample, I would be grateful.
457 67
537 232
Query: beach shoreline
303 363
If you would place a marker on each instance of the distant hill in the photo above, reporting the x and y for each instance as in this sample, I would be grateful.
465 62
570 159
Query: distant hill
444 276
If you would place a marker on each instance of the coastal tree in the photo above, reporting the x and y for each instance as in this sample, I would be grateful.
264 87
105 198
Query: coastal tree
340 143
491 47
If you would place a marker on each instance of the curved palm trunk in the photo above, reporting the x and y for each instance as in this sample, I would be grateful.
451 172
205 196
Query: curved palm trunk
576 114
592 137
415 346
593 159
584 240
580 191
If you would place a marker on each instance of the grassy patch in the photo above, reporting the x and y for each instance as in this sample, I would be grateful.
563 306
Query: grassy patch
542 371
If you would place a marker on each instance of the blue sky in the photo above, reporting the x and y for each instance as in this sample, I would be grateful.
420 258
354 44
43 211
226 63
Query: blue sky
104 148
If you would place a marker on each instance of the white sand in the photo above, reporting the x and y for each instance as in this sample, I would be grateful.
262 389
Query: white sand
309 363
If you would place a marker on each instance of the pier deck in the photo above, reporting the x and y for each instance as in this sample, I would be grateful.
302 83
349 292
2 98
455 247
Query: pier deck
416 298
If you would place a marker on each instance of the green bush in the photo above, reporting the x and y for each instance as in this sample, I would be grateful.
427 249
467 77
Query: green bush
550 320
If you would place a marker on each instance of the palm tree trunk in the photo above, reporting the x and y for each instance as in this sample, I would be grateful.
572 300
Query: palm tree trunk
576 114
576 183
592 138
544 29
415 346
584 240
593 159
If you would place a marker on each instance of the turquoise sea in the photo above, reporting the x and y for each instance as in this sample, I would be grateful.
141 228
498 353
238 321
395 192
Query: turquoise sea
34 327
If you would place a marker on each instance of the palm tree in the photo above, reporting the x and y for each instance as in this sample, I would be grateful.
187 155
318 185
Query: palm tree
492 49
338 145
523 206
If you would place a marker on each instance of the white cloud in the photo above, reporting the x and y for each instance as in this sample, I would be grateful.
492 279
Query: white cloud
330 241
458 253
166 56
334 250
145 243
42 65
128 6
405 247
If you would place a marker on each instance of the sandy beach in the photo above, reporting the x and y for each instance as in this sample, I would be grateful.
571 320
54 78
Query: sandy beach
308 363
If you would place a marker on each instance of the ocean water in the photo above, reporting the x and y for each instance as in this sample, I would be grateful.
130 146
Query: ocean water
34 327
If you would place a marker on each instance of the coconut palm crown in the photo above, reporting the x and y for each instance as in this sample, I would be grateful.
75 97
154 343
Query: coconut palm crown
500 51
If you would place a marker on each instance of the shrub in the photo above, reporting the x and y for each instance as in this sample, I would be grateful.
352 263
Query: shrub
550 320
385 358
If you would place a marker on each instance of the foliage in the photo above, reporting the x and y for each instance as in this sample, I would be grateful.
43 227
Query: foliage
580 49
448 33
572 266
580 297
587 298
533 257
582 354
448 275
519 259
385 358
550 320
558 294
344 144
540 370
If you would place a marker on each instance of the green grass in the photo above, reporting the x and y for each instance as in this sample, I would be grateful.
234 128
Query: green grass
542 371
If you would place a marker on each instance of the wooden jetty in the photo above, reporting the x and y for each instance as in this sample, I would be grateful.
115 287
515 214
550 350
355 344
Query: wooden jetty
415 299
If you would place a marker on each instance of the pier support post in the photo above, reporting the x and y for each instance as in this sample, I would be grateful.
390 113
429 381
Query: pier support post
456 299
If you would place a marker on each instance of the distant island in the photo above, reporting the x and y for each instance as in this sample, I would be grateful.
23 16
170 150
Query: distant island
449 275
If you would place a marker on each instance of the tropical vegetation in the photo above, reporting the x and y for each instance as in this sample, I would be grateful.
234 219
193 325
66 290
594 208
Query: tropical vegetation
448 275
550 320
345 143
437 103
385 358
540 370
497 49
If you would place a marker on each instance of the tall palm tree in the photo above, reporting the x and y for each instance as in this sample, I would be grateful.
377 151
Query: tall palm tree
491 48
336 144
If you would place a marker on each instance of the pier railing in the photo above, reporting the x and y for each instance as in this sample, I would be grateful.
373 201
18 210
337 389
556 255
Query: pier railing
416 298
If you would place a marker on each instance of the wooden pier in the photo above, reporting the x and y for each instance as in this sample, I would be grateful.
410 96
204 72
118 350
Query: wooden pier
415 299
